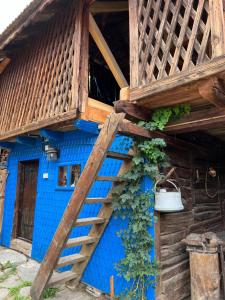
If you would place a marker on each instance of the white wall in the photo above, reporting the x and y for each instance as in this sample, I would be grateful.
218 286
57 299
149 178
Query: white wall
9 10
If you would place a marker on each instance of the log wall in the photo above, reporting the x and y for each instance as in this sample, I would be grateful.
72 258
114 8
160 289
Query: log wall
201 214
40 86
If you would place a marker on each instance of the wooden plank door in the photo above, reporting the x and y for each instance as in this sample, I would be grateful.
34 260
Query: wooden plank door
26 198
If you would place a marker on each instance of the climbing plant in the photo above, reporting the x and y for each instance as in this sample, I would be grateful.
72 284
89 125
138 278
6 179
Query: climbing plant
136 206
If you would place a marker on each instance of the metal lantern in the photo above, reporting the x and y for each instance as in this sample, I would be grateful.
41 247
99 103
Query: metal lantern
166 201
52 153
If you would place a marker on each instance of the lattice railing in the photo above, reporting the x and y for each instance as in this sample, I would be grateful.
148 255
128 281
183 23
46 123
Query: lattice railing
174 36
37 87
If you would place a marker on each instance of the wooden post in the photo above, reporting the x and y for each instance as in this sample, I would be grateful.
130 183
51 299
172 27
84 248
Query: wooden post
158 250
205 276
204 265
112 289
217 27
134 53
3 178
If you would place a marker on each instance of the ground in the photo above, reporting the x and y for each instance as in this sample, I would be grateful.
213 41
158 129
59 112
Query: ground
17 273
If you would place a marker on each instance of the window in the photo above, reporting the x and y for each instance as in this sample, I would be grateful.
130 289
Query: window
74 175
63 174
68 176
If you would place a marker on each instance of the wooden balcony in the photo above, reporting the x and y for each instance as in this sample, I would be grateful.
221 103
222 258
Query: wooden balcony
177 53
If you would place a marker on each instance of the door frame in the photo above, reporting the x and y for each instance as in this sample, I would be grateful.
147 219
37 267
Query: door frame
17 201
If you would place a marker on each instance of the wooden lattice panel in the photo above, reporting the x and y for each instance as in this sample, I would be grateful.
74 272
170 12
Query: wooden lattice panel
37 85
174 35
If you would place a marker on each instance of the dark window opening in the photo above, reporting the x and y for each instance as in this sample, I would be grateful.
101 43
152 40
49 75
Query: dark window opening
115 29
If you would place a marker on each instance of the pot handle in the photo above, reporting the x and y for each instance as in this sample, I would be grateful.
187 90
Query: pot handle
170 181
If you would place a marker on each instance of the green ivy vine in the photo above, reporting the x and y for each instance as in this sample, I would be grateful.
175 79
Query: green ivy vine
136 206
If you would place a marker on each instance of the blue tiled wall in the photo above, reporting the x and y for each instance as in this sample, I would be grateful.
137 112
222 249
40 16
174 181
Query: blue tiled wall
51 202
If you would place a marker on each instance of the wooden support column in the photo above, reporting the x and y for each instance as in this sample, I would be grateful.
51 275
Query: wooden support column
80 59
106 53
217 27
3 179
134 51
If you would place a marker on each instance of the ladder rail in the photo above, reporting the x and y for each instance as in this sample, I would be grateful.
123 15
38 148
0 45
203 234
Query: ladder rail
77 199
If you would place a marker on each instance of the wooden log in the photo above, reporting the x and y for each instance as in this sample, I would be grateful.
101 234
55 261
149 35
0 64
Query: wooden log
173 260
131 129
205 276
204 119
213 90
175 269
132 111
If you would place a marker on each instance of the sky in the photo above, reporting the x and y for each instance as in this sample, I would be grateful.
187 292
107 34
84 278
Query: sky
9 10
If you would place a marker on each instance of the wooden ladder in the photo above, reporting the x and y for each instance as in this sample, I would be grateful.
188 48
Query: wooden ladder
62 240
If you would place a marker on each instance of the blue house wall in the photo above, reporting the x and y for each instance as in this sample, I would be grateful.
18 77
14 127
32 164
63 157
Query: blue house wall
75 148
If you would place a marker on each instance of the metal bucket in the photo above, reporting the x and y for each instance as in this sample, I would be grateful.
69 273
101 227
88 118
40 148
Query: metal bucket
168 201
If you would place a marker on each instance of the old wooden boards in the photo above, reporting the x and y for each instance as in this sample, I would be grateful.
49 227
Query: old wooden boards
84 184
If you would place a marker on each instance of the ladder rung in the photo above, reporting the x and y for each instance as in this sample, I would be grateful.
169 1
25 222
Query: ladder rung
59 278
70 260
89 221
109 178
119 156
98 200
83 240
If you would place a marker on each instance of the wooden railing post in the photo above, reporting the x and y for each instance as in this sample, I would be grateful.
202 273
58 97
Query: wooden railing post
217 27
134 47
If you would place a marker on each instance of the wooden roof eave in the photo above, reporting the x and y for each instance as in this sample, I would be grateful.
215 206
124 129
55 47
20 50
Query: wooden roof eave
34 13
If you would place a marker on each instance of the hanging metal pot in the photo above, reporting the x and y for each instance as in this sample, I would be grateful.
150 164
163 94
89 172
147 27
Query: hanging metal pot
166 201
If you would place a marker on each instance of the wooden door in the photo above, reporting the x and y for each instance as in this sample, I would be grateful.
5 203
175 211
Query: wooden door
26 198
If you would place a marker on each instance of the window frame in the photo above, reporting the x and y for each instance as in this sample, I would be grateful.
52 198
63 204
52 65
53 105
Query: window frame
69 166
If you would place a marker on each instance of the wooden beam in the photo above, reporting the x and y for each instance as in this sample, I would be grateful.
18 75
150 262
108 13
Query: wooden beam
96 111
213 90
199 120
132 111
106 53
87 126
3 64
28 141
7 145
71 115
51 135
217 27
109 7
130 129
179 88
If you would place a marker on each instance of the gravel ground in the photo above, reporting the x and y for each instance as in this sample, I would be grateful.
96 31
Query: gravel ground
18 271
